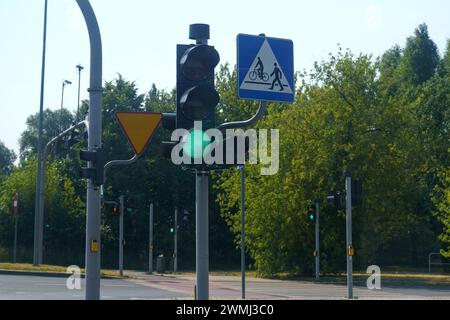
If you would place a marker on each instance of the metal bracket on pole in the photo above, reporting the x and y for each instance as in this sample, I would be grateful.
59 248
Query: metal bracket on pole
113 163
120 162
246 123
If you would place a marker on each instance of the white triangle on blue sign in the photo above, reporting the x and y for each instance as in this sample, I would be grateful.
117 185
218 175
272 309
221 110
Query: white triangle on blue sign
270 77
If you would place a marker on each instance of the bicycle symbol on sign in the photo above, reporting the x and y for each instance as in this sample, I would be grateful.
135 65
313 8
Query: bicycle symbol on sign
258 72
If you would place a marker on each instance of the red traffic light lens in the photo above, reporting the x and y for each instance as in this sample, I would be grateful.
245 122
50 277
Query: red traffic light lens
199 62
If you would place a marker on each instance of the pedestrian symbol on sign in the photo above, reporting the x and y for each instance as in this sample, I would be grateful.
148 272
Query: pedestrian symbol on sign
278 75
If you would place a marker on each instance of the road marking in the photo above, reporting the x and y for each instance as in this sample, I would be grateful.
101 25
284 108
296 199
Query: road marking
119 285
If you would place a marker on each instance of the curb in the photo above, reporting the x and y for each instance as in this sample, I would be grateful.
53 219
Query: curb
51 274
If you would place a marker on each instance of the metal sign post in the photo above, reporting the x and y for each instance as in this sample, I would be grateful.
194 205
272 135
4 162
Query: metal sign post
121 204
317 241
150 246
175 245
242 168
348 210
16 218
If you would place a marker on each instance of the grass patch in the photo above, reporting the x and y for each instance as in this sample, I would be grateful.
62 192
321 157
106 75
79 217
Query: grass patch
49 268
391 278
400 278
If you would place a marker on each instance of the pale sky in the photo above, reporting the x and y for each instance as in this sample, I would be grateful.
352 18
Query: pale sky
140 36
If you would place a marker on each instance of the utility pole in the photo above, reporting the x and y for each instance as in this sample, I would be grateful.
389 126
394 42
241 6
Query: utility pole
348 210
121 204
175 248
16 218
243 231
93 217
150 247
202 236
317 227
37 248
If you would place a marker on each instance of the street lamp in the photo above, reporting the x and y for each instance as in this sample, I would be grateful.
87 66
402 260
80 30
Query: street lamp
37 248
79 67
64 83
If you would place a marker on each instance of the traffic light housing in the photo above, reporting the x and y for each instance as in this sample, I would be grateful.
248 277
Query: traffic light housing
311 212
196 98
96 170
114 210
336 200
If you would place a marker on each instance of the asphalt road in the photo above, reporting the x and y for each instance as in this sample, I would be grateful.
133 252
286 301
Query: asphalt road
14 287
18 287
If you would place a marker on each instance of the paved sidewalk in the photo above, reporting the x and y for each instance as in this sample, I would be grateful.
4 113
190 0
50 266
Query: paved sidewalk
229 287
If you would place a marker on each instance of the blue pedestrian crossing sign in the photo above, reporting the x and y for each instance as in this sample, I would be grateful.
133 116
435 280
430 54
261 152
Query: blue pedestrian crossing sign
265 68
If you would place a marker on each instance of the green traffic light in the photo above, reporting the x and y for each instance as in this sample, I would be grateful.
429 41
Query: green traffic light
196 143
171 230
129 210
311 217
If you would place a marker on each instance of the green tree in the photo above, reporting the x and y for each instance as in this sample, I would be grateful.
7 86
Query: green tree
7 158
446 60
54 123
63 214
420 57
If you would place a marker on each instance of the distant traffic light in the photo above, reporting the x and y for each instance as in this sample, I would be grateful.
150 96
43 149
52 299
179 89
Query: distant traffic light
311 212
96 170
130 210
336 200
114 210
171 230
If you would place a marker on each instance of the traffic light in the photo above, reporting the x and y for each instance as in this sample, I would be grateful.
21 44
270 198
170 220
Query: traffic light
96 170
336 200
311 212
171 230
114 210
196 94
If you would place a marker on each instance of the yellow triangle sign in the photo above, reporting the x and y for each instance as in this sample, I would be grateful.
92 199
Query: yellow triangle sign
139 127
